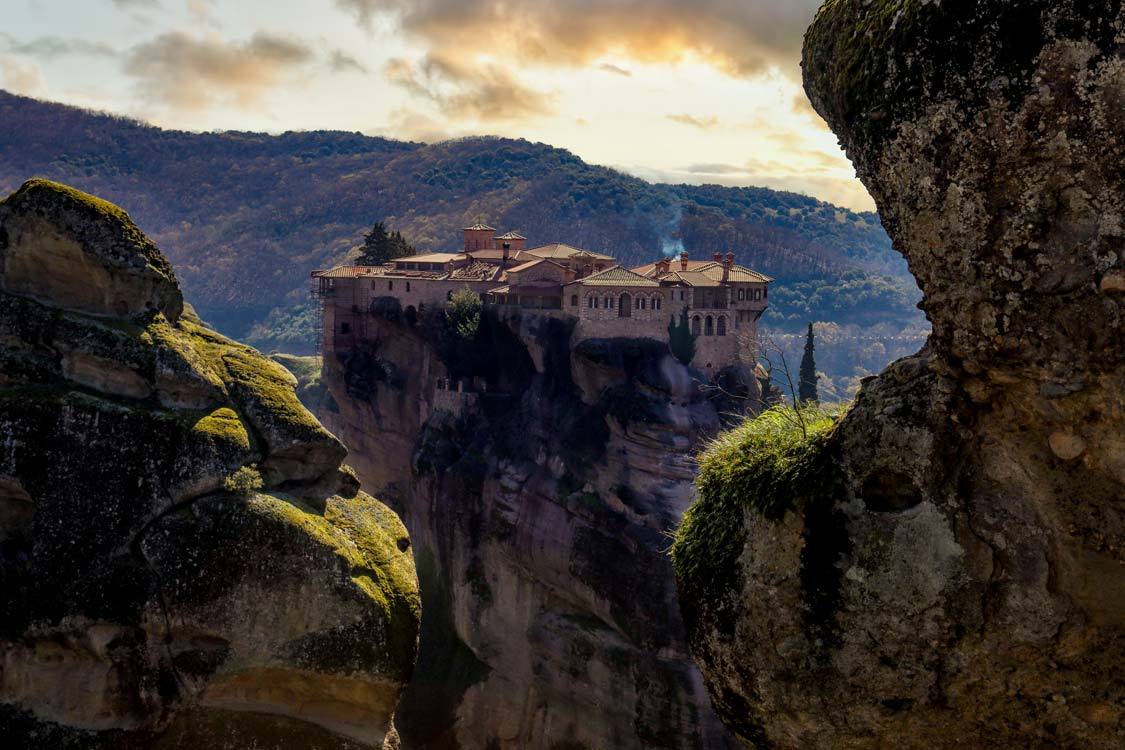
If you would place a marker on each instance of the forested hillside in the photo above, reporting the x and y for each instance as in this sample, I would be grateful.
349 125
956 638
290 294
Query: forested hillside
246 216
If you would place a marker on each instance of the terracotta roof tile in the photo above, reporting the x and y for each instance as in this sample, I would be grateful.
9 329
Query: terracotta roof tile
561 250
616 276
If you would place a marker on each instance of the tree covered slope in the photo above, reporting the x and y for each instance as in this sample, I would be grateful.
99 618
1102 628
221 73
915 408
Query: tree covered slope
246 216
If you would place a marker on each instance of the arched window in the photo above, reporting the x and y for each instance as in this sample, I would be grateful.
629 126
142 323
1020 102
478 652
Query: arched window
741 294
656 303
574 300
709 326
390 285
722 328
625 306
408 286
640 303
695 324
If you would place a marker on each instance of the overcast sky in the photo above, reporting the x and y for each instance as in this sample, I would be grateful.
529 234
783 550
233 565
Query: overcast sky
676 90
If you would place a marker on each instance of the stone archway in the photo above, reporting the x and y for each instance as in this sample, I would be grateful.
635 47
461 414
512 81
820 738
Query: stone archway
625 305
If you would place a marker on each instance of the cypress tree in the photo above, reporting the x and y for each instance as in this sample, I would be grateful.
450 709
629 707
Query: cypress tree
806 386
680 338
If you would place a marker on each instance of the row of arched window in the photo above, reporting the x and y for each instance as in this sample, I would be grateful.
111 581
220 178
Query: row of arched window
749 294
709 326
624 302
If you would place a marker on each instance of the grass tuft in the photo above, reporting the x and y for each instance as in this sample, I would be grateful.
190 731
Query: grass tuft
768 464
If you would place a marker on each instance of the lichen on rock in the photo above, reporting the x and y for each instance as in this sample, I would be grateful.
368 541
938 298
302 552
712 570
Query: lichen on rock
975 529
138 585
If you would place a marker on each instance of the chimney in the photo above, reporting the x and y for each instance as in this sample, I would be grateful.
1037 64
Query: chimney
683 260
727 267
507 253
662 266
718 257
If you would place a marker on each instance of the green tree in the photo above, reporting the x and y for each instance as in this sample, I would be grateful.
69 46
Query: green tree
382 246
806 385
680 338
462 314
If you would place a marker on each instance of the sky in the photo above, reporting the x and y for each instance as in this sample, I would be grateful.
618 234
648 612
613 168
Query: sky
697 91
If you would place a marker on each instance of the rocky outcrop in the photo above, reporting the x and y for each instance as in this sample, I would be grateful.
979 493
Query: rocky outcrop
539 496
944 567
183 559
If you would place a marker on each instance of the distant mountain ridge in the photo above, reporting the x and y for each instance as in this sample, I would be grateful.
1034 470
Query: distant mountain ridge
246 216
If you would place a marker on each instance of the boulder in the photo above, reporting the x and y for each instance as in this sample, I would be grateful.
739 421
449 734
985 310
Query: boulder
184 561
943 568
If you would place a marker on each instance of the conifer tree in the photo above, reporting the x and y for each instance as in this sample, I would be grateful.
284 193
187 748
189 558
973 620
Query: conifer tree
680 338
806 385
382 246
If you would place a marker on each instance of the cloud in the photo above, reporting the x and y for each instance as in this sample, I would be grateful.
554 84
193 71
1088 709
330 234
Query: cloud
486 93
136 3
703 123
616 70
741 37
52 47
188 72
19 77
342 62
715 169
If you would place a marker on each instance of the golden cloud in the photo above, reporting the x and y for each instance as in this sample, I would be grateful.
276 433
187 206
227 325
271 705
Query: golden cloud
741 37
486 93
191 73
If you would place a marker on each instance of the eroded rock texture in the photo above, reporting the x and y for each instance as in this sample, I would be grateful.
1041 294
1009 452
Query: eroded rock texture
145 601
958 579
539 510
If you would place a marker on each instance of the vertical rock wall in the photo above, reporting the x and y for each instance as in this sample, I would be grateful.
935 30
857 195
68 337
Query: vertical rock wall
539 518
963 555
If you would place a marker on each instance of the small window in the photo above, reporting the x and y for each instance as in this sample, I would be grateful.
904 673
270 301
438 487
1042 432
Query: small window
656 303
709 326
696 324
408 286
390 285
590 302
722 326
373 283
641 303
766 292
595 301
574 300
741 294
345 328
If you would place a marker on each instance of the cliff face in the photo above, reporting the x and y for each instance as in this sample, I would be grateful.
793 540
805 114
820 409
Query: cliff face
951 573
539 511
183 559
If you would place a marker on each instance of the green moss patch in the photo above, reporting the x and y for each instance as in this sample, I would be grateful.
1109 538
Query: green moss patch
770 465
81 214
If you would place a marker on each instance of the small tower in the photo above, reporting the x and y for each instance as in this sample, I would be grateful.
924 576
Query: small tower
514 240
479 236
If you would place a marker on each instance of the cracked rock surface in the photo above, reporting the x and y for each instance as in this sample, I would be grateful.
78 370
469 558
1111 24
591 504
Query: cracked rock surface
957 579
146 601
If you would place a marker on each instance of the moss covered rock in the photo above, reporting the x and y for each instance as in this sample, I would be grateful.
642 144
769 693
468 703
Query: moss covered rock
142 577
78 252
955 578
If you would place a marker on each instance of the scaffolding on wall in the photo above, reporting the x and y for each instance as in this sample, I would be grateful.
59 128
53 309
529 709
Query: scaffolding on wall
318 294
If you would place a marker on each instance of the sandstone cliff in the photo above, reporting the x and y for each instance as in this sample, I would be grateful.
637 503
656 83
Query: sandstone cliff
539 510
944 567
184 562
